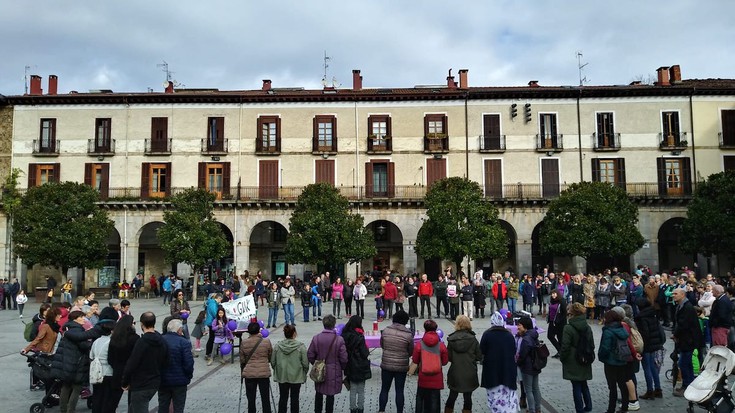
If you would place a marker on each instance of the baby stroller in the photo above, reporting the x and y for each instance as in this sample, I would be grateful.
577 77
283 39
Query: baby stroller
710 389
40 364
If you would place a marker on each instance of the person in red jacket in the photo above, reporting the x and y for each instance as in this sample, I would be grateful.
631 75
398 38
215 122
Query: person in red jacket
390 294
426 290
431 354
500 292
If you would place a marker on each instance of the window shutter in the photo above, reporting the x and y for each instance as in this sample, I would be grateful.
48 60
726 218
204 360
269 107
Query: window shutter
88 173
686 172
57 172
334 134
620 173
226 178
145 180
388 127
202 181
728 163
611 124
391 179
426 125
445 125
220 129
595 169
728 127
32 171
278 134
661 169
315 135
368 179
169 177
553 125
105 184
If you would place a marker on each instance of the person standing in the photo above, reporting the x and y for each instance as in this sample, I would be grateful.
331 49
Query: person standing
20 301
513 293
288 298
179 369
100 351
409 289
557 319
720 319
478 293
255 356
430 354
316 298
122 342
142 374
440 291
426 290
467 298
529 374
330 347
337 294
500 292
499 370
290 366
574 371
453 293
358 364
687 336
273 301
305 295
616 369
348 295
390 295
359 293
653 347
464 355
179 307
397 343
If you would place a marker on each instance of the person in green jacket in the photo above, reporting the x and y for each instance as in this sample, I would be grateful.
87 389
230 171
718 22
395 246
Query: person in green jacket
290 366
464 354
513 292
572 370
616 370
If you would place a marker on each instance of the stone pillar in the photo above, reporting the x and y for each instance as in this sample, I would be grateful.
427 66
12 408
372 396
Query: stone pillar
129 266
410 260
242 257
523 257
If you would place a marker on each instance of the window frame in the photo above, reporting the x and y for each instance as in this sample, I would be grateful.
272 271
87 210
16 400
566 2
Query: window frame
274 146
103 135
215 140
377 142
436 140
51 146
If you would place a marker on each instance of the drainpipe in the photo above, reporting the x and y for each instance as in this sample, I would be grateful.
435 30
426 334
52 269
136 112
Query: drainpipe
691 125
579 137
466 138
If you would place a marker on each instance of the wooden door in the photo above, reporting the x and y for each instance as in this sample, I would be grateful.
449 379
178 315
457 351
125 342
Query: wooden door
491 132
268 179
159 135
324 171
436 169
549 178
493 178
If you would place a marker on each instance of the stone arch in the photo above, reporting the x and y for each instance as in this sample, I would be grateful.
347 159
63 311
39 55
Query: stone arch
388 239
267 245
493 264
151 258
670 256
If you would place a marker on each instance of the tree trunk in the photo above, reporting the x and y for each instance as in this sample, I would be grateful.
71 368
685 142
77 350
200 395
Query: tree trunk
458 263
194 284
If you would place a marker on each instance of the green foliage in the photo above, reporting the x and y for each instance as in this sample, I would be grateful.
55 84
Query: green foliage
323 231
190 234
11 195
591 219
710 224
61 225
460 222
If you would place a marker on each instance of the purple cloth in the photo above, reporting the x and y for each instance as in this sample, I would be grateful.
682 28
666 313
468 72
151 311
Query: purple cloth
553 309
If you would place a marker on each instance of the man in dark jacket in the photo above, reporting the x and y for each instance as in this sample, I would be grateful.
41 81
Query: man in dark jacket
71 360
440 290
687 335
720 318
142 374
178 372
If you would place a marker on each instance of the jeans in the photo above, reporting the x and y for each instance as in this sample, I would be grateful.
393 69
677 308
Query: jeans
445 302
140 399
386 379
581 395
166 395
425 301
686 368
317 306
288 316
360 308
498 303
533 394
166 297
273 316
427 400
336 307
66 297
651 372
467 405
453 310
357 395
286 390
69 395
306 311
512 304
616 376
319 402
388 304
251 386
413 309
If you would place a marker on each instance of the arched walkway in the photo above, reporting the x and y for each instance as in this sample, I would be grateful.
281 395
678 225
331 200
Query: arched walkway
539 261
488 265
110 271
670 256
151 258
389 245
267 245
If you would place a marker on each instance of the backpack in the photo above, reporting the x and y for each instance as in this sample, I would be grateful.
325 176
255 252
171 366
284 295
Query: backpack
430 359
622 350
585 350
27 332
636 339
95 371
539 356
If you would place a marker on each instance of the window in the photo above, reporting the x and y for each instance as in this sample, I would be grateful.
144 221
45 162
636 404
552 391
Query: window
609 170
379 133
102 135
548 137
41 173
435 132
493 178
325 128
727 136
324 171
156 180
605 136
279 233
674 176
728 163
47 143
159 142
269 134
380 179
215 134
97 175
671 136
215 177
491 139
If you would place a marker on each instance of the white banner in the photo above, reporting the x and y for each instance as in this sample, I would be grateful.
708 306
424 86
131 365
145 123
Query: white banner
242 309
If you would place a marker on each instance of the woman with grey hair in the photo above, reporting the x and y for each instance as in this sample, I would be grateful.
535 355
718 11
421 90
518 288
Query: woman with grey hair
330 347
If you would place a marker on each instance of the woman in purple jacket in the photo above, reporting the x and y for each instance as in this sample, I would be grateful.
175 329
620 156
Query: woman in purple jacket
330 347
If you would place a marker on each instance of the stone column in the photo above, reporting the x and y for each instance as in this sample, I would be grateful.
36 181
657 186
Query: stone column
242 256
129 266
410 260
523 257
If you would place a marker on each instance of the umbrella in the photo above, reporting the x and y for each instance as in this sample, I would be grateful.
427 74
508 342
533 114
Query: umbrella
675 368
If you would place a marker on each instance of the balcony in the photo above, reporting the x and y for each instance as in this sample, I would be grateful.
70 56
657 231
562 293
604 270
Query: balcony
672 141
318 148
267 147
436 143
101 147
51 149
492 143
726 141
216 147
549 143
158 147
606 142
379 144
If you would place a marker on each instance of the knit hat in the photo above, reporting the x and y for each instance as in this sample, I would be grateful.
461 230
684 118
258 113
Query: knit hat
619 310
108 315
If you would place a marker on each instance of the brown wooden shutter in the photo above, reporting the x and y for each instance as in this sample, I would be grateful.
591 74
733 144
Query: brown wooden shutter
493 178
226 178
436 169
728 163
315 135
88 173
686 172
600 125
202 179
550 177
268 179
57 172
620 173
491 125
445 125
145 180
324 172
278 134
32 171
368 179
661 171
105 184
426 125
391 179
388 126
728 127
334 134
595 170
220 130
169 178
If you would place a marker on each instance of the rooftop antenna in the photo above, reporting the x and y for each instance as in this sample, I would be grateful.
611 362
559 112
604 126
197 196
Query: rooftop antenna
580 66
326 66
164 67
25 78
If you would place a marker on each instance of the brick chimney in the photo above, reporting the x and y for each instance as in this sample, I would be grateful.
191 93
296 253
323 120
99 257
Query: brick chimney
266 85
170 87
36 85
451 84
533 83
356 80
53 84
663 76
675 74
463 79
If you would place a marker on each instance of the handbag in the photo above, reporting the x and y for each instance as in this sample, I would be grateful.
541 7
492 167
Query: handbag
242 365
318 371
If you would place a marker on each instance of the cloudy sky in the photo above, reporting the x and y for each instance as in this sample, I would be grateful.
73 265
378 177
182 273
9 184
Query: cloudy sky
233 45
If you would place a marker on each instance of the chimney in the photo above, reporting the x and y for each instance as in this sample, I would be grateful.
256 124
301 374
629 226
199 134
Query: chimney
451 84
266 85
463 79
36 85
675 74
356 80
663 76
170 87
533 83
53 84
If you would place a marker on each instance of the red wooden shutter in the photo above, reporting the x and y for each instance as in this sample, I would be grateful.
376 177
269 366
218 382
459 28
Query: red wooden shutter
88 173
145 180
57 172
105 183
169 178
226 178
661 171
32 171
202 180
391 179
368 179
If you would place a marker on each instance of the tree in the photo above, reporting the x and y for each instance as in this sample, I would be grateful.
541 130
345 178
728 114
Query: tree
61 225
460 223
190 233
323 231
591 219
710 224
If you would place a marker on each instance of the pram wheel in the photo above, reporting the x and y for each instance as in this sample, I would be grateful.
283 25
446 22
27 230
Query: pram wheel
37 408
690 409
89 403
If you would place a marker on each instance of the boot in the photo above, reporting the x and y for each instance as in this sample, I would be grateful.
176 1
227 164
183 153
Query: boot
448 410
466 411
647 395
658 394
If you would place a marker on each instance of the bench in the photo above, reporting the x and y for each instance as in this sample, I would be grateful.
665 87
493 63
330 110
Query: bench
103 292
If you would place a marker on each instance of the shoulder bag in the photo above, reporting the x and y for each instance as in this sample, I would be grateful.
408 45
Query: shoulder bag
318 372
242 365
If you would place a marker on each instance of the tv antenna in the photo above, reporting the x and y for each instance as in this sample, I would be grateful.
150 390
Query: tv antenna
169 73
580 66
327 59
25 77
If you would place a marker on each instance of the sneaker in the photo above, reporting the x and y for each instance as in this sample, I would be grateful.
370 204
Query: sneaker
633 406
209 361
197 349
21 316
